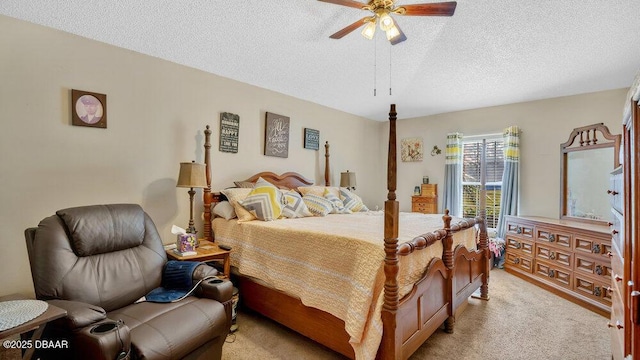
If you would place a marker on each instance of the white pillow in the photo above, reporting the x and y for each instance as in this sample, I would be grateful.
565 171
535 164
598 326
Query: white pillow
225 210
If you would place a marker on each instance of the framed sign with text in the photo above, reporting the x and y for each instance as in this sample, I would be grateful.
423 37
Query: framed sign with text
311 139
229 131
276 135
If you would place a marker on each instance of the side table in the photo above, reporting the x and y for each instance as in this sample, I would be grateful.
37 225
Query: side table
206 251
37 324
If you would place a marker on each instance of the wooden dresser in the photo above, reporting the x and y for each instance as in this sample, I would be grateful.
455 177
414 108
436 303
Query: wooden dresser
568 258
427 201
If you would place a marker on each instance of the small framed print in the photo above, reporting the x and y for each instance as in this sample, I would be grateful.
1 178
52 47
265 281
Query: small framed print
88 109
311 139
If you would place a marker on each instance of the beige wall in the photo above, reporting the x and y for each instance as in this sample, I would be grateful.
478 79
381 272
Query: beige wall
157 112
545 124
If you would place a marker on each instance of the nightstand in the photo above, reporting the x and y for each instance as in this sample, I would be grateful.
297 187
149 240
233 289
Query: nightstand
427 201
205 251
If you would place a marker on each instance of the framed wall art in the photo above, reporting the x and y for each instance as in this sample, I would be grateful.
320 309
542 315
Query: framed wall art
276 135
229 131
411 149
88 109
311 139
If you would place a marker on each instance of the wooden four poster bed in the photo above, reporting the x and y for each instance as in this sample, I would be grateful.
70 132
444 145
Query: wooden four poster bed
408 317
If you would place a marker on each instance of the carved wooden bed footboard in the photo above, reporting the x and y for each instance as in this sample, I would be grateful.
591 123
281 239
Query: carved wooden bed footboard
446 284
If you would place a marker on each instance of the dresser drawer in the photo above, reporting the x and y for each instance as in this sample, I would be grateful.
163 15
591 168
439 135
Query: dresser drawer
617 228
555 237
518 245
523 231
590 245
518 261
617 319
427 205
424 200
592 289
553 273
588 265
553 255
429 190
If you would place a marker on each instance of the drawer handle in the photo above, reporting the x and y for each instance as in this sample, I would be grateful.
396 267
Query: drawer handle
612 192
617 277
595 249
552 256
617 325
518 245
518 230
599 270
552 273
552 238
597 291
609 254
608 289
614 231
609 224
516 261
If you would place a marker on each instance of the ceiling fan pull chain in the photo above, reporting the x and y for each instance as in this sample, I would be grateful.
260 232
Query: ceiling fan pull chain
375 62
389 70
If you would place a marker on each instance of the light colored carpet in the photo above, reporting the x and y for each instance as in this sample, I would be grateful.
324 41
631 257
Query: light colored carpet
521 321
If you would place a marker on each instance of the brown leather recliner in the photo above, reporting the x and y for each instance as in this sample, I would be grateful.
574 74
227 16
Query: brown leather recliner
96 262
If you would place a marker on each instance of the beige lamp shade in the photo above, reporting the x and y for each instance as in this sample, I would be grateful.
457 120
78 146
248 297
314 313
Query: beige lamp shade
192 175
348 179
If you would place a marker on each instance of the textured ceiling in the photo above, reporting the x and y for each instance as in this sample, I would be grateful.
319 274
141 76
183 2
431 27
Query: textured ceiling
491 52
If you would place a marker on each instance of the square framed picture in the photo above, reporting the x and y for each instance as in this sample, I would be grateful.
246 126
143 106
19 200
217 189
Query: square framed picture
88 109
411 149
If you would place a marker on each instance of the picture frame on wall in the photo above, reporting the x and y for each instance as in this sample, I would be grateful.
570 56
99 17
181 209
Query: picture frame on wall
229 132
311 139
276 135
88 109
412 149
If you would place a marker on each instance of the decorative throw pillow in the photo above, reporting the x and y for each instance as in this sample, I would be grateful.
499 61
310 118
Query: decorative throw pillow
244 184
234 195
264 201
294 205
318 205
225 210
338 205
318 190
352 201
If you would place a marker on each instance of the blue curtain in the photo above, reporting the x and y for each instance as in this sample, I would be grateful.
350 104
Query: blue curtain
452 198
510 180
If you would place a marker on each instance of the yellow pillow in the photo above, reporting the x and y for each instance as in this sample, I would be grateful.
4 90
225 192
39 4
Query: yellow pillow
264 201
318 190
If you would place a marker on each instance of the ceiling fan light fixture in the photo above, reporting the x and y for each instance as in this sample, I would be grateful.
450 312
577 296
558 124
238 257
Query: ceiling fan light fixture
369 30
392 33
386 22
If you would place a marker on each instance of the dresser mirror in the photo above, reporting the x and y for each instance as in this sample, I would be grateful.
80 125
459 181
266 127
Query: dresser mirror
588 157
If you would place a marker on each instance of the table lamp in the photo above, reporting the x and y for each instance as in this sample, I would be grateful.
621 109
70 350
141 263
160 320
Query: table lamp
192 175
348 180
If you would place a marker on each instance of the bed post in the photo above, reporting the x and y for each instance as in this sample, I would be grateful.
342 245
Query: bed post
327 181
390 348
483 244
447 258
208 234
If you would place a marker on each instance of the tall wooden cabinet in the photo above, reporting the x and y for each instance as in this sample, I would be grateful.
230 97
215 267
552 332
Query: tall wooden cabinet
569 258
625 284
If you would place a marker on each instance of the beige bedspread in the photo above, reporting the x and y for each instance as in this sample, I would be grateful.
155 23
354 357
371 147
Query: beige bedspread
333 263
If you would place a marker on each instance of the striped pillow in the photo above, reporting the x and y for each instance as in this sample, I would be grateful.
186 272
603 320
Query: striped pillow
294 206
352 201
338 205
264 201
318 205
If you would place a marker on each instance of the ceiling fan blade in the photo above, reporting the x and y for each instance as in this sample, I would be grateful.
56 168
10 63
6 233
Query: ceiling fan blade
399 38
350 28
432 9
349 3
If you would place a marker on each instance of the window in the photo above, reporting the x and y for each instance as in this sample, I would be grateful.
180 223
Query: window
471 179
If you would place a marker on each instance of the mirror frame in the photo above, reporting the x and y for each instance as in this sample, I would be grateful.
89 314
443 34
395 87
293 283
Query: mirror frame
588 140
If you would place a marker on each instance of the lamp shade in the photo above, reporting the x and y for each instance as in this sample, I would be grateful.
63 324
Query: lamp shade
348 179
192 175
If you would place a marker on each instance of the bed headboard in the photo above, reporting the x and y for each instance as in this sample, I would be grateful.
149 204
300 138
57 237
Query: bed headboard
288 180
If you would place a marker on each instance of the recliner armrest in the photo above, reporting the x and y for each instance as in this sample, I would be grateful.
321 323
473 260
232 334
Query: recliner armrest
79 314
216 289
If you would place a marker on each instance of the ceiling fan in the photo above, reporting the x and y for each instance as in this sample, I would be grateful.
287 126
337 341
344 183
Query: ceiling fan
382 10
